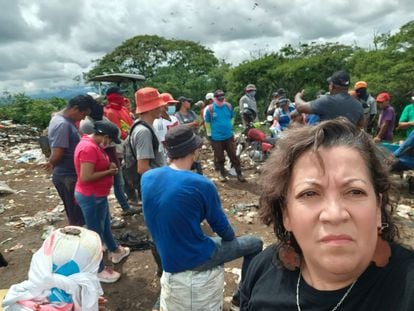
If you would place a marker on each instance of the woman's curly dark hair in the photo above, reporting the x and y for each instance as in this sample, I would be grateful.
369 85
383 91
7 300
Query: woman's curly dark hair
277 171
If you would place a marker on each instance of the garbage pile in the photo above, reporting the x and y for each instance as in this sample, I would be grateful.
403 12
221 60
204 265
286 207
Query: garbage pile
11 134
20 143
41 218
245 212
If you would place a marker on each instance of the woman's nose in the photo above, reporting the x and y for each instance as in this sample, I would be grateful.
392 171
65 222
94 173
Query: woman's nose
333 210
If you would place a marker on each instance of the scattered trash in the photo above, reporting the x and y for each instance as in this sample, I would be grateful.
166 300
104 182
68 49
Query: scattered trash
405 211
5 189
136 241
11 249
32 156
11 134
47 230
40 218
242 207
232 172
117 223
5 241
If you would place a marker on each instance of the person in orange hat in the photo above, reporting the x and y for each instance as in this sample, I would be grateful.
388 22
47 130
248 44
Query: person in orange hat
142 141
142 147
386 121
368 103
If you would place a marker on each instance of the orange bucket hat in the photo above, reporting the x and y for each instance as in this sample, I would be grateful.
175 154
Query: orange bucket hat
360 84
147 99
167 97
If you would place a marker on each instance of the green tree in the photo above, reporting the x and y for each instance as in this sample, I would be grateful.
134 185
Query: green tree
25 110
305 67
389 66
177 66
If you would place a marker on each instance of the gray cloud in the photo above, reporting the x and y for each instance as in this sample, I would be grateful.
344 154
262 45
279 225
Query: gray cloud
46 43
13 26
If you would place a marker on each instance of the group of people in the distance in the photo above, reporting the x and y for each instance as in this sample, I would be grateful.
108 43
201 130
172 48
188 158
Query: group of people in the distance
325 191
359 107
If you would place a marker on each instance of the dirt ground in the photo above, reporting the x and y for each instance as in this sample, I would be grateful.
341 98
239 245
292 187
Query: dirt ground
139 286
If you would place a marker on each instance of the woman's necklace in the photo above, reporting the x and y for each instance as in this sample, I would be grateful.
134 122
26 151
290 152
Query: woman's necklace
337 305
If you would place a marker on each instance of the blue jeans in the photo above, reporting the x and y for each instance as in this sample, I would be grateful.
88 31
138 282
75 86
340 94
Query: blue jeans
246 246
119 190
96 213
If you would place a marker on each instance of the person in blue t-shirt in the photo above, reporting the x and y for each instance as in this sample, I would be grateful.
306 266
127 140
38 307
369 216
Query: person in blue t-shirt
175 201
219 119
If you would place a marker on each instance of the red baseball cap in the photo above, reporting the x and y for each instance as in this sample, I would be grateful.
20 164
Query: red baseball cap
383 97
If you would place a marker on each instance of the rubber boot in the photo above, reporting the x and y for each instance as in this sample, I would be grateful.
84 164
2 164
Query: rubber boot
222 174
240 176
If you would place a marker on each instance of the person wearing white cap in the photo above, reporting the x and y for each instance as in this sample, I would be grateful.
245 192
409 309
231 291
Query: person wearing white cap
209 98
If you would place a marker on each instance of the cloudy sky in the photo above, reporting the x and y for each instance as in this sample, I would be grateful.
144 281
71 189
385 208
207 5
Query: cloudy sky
44 44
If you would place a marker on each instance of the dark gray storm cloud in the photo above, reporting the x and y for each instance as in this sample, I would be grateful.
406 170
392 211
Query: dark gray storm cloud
45 43
13 27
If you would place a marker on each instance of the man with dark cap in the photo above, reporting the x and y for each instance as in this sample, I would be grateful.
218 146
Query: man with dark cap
175 202
337 104
188 117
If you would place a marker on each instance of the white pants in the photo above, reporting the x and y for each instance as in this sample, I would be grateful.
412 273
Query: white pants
192 290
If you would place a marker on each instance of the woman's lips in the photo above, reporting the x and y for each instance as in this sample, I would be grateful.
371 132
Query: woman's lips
336 239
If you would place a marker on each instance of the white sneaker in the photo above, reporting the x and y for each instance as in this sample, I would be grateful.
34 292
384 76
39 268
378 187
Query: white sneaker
117 257
108 275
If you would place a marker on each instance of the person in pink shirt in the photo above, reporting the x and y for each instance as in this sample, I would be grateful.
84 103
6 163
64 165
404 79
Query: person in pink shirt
95 178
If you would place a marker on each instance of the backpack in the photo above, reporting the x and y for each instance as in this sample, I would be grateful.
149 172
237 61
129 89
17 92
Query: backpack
129 150
130 157
210 109
44 144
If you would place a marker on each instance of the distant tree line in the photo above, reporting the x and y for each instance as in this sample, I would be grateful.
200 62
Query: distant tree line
25 110
190 69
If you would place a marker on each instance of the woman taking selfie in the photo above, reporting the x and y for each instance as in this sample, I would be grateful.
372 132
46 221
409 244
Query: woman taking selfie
326 194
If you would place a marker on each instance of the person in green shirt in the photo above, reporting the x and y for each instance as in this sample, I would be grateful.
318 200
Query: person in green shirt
407 117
